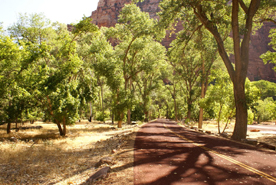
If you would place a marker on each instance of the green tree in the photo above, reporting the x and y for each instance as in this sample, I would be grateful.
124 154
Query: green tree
219 18
265 110
51 54
187 64
132 35
266 88
220 97
270 56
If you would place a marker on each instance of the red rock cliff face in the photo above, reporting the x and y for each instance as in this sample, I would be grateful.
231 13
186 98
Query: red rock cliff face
107 15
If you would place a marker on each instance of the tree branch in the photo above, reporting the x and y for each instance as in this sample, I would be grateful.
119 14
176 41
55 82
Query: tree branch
214 31
268 20
245 9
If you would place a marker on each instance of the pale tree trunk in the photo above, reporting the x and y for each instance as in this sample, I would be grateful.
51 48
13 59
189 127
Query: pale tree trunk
91 112
102 98
120 120
128 111
200 120
228 120
219 116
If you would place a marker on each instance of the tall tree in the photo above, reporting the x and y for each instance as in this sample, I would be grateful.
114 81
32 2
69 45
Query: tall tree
51 53
219 18
132 35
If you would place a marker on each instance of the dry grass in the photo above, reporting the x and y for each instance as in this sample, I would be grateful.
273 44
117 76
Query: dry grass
43 157
260 137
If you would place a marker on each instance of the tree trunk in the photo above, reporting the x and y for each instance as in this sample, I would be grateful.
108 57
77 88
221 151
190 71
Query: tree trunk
120 123
220 109
16 123
120 120
241 53
112 117
91 112
189 112
240 128
128 116
59 128
8 128
128 110
102 98
200 120
64 127
175 110
146 116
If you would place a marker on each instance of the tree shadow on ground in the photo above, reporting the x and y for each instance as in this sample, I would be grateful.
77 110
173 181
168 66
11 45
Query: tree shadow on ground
182 161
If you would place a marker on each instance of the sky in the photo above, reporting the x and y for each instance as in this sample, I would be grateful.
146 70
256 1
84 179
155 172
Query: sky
63 11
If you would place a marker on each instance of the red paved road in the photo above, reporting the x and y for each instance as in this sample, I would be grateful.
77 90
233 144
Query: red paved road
175 155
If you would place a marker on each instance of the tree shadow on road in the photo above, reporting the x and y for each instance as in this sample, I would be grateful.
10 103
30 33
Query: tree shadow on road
161 157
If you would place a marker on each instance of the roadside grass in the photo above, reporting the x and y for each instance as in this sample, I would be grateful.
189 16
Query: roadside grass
211 126
43 157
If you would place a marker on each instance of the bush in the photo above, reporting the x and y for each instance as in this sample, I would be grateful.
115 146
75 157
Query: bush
265 110
102 116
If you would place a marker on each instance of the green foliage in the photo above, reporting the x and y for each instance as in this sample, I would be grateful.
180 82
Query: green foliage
266 88
43 71
270 56
137 113
102 116
219 101
265 110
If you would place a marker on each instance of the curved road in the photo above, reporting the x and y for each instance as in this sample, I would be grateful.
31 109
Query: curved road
166 153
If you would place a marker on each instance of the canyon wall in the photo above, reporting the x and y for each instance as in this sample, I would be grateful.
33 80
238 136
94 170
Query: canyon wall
108 11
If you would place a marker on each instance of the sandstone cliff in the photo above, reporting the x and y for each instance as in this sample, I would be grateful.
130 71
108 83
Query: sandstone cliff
107 15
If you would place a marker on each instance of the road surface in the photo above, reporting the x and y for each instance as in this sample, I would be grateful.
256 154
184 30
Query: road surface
269 129
168 154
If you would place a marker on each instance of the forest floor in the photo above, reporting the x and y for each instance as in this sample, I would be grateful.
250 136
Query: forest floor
41 156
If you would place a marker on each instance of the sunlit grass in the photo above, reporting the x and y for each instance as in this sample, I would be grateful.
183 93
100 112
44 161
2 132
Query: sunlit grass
43 157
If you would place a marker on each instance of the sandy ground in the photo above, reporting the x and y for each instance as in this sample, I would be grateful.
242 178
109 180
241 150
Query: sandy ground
252 134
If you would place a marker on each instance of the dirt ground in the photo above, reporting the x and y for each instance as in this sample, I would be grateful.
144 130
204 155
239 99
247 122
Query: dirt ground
212 127
41 156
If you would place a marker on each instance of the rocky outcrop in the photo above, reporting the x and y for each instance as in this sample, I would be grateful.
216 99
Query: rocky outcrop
107 12
260 44
107 15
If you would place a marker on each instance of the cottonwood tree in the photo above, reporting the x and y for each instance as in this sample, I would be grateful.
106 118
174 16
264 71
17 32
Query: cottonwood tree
149 79
132 34
187 63
220 97
10 91
51 53
220 18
